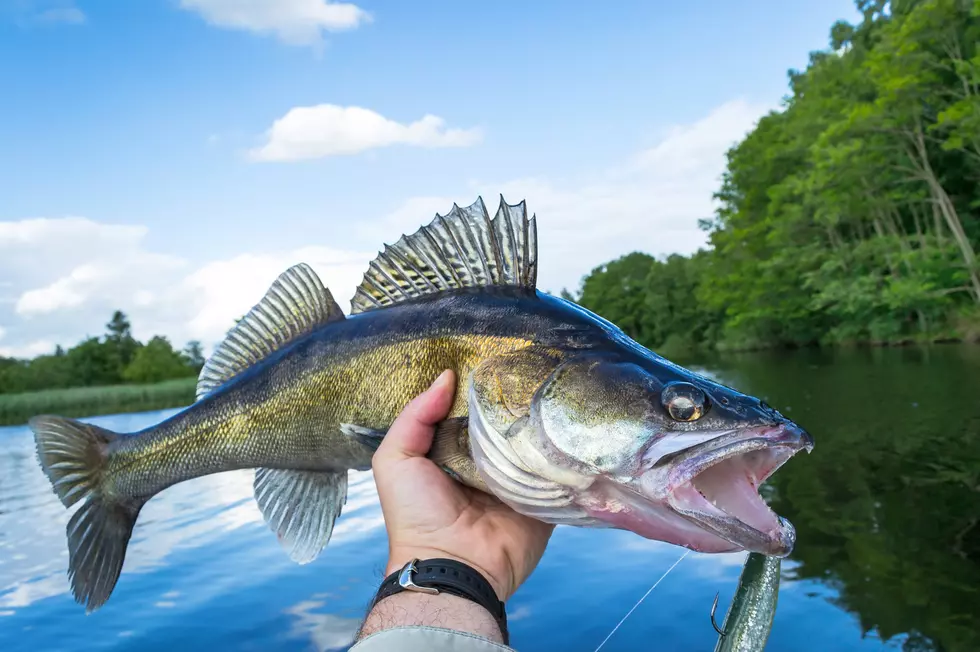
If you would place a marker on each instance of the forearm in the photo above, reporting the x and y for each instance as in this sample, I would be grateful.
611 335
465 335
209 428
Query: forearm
410 609
443 610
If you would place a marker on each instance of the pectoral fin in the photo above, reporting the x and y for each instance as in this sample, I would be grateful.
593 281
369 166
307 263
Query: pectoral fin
369 437
451 451
301 507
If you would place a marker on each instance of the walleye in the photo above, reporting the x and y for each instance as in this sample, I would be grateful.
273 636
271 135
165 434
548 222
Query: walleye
557 412
749 618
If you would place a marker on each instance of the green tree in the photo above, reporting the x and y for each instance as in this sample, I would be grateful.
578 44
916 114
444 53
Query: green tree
93 363
156 361
193 356
119 339
850 214
617 291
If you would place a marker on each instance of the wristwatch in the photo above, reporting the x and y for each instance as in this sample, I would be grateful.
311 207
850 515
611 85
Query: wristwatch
434 576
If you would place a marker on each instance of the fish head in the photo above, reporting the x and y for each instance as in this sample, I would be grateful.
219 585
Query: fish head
638 443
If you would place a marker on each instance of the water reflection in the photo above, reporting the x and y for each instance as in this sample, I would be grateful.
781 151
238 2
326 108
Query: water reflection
887 511
325 631
887 507
193 514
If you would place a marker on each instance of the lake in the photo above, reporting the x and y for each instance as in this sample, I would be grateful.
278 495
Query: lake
887 510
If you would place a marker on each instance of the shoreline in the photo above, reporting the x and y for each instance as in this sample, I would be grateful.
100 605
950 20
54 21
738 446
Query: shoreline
81 402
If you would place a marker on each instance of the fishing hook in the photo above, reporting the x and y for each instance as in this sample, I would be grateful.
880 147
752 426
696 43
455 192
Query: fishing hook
714 608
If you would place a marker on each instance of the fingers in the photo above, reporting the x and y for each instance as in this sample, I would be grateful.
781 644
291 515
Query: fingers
411 433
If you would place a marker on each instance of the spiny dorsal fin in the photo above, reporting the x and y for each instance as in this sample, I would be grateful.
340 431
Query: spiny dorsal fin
462 249
296 304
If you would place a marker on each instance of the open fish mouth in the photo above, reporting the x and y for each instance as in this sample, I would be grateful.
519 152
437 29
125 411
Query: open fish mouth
715 485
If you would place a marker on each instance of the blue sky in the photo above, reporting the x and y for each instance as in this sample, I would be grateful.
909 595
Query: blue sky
171 157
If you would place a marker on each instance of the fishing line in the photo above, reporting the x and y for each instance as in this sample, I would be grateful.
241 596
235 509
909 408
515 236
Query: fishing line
666 573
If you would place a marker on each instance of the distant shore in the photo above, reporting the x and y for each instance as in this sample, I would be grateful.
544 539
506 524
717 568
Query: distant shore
16 409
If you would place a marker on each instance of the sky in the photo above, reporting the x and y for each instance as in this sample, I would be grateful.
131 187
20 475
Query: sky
170 158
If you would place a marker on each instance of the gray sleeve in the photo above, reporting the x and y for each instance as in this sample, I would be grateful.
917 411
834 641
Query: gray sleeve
427 639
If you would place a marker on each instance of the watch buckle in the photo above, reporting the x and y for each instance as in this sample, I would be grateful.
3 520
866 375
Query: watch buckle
405 579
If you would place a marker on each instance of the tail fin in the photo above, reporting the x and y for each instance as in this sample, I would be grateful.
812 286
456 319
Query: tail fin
73 455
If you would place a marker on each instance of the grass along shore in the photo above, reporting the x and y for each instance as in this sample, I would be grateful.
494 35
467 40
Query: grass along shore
16 409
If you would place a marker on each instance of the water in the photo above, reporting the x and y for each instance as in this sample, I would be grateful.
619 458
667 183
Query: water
887 509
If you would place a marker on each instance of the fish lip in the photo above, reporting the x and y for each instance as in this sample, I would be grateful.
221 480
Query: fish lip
674 477
684 464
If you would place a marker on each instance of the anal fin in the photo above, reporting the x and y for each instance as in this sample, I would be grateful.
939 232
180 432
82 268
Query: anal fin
301 507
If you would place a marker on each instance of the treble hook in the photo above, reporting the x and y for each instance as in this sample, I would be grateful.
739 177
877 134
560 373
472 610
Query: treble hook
714 608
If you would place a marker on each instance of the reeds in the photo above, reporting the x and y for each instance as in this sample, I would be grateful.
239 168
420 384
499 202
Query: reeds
92 401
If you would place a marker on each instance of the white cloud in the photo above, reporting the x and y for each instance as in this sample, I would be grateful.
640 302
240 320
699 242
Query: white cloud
64 277
296 22
41 12
68 14
25 351
28 350
37 230
67 275
224 290
112 279
308 132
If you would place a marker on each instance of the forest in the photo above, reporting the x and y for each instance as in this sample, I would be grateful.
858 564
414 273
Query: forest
851 215
115 358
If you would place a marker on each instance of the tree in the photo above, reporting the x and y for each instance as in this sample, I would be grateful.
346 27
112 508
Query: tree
193 356
919 57
617 291
93 363
119 339
850 214
97 361
156 361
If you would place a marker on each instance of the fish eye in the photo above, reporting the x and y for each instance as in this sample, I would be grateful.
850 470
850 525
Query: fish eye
684 402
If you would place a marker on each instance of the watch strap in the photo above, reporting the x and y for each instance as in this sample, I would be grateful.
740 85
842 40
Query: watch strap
434 576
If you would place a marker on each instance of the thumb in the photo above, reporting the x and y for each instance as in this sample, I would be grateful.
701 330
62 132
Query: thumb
411 433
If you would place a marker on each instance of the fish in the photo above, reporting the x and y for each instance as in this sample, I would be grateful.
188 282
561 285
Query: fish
557 412
749 618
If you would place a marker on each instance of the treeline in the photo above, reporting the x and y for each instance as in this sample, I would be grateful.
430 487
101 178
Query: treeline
115 358
851 215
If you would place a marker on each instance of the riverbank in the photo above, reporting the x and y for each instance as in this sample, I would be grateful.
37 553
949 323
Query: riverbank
847 344
963 330
16 409
683 353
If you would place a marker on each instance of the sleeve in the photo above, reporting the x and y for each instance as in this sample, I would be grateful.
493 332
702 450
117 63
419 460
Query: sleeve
427 639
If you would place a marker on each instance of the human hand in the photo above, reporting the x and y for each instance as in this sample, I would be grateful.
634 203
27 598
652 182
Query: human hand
428 514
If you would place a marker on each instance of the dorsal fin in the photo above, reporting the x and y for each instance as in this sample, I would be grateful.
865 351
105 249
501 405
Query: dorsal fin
296 304
462 249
